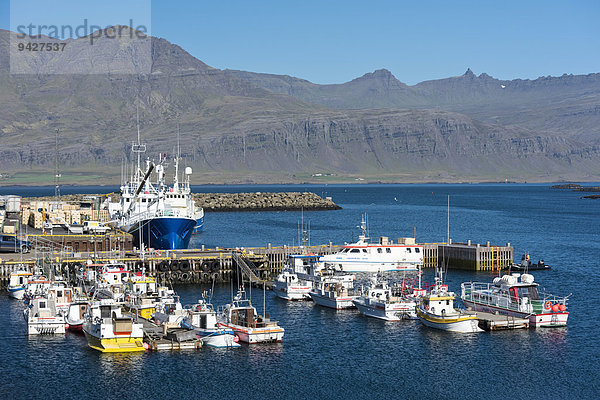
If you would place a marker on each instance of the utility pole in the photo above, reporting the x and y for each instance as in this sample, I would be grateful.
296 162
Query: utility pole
56 170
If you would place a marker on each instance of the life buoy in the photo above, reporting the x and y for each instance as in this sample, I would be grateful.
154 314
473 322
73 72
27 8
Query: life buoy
548 305
158 253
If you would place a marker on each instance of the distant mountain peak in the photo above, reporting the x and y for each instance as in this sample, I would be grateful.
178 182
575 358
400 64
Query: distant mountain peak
469 74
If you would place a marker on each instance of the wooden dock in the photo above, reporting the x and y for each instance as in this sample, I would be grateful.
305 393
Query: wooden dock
496 322
258 264
160 338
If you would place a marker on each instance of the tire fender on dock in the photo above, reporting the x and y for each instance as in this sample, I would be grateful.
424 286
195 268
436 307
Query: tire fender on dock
184 266
215 266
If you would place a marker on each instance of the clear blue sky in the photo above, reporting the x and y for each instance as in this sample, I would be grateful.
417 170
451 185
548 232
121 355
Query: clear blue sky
336 41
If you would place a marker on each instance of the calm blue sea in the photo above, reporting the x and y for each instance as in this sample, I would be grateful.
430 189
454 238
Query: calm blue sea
342 355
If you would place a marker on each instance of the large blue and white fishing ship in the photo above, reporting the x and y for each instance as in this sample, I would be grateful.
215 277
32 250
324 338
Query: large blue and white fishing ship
157 215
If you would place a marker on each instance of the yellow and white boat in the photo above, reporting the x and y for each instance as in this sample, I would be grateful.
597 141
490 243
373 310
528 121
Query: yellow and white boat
436 310
109 331
142 295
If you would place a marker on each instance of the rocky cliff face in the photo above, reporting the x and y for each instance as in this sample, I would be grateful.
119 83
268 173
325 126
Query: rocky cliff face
243 127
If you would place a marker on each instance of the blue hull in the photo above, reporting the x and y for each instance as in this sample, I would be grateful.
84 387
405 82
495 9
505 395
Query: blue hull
199 225
164 233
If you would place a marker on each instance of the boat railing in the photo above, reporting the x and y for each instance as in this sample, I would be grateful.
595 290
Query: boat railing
140 216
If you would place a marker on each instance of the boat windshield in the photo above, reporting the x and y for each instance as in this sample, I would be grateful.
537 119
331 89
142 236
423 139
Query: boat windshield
530 292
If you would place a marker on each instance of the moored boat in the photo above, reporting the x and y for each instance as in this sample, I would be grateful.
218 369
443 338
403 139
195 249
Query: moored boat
516 295
109 331
296 278
436 310
364 256
43 317
202 318
17 283
241 317
158 216
390 303
334 291
74 317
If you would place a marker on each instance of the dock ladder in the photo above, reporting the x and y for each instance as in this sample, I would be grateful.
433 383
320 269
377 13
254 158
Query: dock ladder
244 267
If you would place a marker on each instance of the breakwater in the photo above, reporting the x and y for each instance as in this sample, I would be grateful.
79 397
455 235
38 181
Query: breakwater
259 201
256 201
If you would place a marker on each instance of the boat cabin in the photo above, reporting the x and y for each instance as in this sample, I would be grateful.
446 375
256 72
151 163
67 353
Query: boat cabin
19 278
42 307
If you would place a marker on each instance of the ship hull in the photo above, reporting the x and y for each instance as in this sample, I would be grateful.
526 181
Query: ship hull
163 233
199 227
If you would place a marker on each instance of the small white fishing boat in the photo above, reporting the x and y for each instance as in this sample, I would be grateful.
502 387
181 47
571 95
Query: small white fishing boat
297 277
436 310
516 295
43 318
168 308
17 283
202 318
390 303
241 317
109 331
334 291
364 256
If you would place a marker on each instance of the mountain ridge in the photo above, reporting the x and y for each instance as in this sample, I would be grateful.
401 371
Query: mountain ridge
240 127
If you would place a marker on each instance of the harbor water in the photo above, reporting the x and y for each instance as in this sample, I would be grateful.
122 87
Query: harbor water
341 354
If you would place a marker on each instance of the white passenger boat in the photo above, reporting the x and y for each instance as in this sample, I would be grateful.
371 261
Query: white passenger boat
202 318
390 303
436 310
241 317
297 277
516 295
109 331
363 256
17 283
334 291
43 317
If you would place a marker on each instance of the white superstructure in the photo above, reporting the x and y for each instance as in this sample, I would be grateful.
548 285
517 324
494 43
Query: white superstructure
516 295
363 256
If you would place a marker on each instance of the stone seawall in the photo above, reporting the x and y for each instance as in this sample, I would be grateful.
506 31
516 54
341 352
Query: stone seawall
284 201
258 201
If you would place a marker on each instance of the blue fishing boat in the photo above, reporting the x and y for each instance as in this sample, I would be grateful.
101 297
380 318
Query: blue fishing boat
157 215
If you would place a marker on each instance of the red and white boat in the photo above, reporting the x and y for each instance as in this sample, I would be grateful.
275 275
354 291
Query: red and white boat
75 315
363 256
241 317
516 295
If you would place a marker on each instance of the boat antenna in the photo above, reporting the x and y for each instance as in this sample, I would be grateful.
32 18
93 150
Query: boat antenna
448 222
